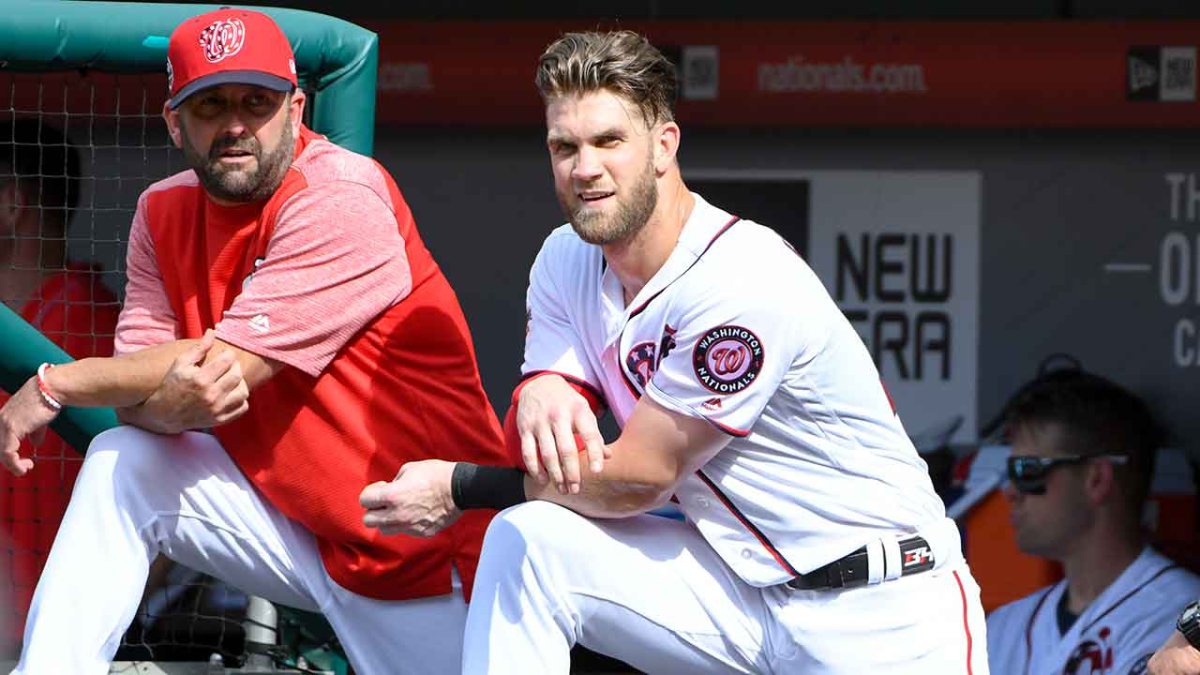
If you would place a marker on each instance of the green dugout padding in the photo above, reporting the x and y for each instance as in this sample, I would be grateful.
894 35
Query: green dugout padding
24 349
337 61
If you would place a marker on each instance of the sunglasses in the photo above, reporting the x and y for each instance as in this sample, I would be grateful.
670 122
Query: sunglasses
1028 474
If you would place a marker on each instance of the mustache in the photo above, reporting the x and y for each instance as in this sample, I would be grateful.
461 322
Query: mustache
233 143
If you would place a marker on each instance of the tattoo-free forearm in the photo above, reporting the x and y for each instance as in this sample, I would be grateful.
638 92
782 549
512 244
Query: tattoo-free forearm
136 415
630 484
118 381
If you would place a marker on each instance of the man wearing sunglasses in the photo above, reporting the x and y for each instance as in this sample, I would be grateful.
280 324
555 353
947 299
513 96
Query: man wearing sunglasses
1082 459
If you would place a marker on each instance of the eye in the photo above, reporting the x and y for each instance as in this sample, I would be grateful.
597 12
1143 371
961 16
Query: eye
208 105
608 141
561 148
259 103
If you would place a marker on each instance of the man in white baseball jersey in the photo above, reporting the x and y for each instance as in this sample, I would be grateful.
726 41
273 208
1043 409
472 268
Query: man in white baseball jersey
814 541
1082 457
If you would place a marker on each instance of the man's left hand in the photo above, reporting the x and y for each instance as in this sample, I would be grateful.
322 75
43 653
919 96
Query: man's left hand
416 502
25 415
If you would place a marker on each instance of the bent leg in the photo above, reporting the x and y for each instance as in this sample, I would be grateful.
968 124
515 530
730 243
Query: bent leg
646 590
417 637
138 494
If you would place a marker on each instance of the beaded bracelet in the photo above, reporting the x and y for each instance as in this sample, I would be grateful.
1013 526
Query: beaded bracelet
44 390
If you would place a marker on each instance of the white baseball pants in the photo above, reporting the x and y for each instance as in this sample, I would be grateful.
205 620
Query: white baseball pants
139 494
651 592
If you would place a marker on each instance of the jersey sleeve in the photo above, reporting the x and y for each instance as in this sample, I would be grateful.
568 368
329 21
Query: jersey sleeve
730 348
146 318
334 263
553 343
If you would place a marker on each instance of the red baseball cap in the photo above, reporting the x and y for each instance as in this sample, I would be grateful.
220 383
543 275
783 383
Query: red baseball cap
228 46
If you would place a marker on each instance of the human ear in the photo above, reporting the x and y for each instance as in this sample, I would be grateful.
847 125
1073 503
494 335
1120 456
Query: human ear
666 146
171 118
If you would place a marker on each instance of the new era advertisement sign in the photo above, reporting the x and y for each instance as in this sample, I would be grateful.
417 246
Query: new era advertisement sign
1161 74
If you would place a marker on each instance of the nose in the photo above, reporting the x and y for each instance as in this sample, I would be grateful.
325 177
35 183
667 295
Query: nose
587 165
234 125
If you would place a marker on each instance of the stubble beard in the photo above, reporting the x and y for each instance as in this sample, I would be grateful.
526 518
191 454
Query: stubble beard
630 216
238 185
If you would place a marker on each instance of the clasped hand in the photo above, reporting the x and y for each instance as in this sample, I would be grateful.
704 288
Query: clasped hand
195 394
550 414
416 502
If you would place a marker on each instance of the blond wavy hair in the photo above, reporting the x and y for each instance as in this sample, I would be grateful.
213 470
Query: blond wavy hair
621 62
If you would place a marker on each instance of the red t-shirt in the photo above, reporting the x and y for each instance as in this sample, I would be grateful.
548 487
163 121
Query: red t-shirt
330 277
79 314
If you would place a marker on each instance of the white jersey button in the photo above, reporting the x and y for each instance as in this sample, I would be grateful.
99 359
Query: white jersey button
747 553
702 502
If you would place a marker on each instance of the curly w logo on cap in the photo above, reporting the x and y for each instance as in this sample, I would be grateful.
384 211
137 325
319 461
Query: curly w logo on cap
222 39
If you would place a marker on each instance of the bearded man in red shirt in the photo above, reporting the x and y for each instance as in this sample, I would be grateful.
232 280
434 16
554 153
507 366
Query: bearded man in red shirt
279 294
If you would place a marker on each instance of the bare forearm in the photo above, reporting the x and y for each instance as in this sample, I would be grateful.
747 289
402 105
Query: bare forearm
601 499
116 382
138 416
629 485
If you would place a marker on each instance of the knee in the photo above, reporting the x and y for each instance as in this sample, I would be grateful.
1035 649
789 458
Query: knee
532 528
128 455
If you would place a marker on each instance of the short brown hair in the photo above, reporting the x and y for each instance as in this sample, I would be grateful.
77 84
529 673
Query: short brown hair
1100 418
621 62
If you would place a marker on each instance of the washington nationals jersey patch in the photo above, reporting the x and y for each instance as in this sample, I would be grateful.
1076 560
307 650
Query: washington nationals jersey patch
727 359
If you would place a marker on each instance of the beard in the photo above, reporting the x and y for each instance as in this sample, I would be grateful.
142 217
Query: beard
237 184
626 219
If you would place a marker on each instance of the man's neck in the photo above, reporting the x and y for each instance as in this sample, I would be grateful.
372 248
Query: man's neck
637 259
1097 563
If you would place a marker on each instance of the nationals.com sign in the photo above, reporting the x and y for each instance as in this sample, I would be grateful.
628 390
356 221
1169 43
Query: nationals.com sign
834 74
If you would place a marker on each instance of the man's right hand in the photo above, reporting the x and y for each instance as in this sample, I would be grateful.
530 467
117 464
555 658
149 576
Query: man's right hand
549 414
1176 657
195 394
25 415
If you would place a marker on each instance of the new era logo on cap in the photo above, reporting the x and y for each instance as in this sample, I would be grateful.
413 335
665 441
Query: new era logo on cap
228 46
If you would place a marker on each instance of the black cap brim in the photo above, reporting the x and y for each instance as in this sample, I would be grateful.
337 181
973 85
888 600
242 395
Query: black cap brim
251 77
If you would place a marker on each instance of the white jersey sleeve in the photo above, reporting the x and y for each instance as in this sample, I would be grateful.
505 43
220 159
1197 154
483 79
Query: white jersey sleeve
553 342
732 346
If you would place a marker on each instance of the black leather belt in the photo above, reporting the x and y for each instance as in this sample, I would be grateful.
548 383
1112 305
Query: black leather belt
850 570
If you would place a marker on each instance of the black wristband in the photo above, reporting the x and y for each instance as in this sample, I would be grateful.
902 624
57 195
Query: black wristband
473 486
